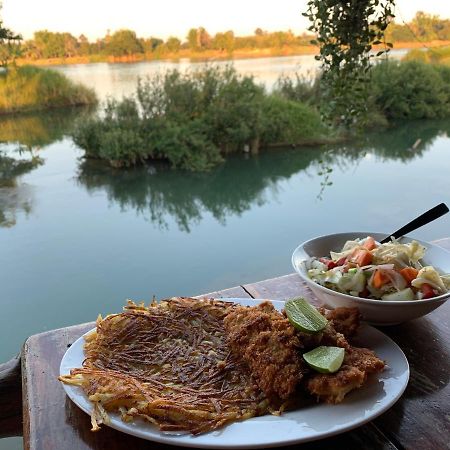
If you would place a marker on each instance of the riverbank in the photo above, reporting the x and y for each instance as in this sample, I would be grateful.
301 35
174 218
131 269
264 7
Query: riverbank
209 55
28 88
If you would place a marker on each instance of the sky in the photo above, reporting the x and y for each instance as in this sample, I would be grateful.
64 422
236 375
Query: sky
173 17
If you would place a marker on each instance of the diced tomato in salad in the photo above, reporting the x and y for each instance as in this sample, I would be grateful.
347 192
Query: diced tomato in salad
427 291
391 271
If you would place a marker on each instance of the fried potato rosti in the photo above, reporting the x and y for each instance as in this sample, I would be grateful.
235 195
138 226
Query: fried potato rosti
170 365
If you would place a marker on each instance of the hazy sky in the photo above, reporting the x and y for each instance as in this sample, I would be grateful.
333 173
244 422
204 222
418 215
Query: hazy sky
172 17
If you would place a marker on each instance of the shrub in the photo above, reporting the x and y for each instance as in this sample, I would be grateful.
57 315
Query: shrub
299 88
290 122
192 119
411 90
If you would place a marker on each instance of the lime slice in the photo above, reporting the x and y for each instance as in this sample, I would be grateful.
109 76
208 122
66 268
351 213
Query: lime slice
304 316
325 359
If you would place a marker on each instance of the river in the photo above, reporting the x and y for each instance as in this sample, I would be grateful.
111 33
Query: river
78 238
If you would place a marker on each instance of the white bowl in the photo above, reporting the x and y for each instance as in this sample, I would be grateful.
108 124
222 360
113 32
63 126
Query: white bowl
377 312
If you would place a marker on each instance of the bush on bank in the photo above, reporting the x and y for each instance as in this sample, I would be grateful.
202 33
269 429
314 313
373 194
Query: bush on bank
411 90
30 88
193 119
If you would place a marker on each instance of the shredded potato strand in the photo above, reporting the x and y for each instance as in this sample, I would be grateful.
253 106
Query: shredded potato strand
168 364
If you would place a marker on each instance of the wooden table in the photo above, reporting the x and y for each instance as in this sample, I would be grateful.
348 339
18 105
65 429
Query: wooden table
419 420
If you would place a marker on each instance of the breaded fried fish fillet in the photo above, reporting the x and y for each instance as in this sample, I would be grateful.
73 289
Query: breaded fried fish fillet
358 364
267 342
344 320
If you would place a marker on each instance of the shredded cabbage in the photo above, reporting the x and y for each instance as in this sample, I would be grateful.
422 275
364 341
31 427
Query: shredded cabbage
430 276
401 255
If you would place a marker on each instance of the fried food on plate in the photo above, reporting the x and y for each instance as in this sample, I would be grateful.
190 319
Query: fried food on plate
358 364
170 365
344 320
267 342
190 365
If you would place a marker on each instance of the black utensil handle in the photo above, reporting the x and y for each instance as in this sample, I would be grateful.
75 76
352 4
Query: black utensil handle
426 217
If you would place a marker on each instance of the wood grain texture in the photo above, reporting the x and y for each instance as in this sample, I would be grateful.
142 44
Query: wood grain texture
421 418
234 292
280 288
10 398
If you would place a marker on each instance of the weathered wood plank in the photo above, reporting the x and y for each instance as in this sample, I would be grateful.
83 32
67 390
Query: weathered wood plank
281 288
10 398
236 292
421 418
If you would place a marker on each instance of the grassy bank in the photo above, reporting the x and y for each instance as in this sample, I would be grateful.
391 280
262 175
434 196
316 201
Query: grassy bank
30 89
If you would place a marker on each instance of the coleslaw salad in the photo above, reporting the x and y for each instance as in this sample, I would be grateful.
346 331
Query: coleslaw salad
367 269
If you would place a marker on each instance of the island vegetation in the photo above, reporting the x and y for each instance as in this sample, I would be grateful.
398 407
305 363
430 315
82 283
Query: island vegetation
194 119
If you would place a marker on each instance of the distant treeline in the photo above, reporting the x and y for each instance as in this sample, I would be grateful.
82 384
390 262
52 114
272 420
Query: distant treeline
47 44
122 43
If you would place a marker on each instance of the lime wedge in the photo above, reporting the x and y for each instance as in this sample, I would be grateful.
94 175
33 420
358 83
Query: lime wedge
325 359
304 316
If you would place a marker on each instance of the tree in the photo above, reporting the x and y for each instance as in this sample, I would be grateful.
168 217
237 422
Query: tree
173 44
204 38
346 31
71 45
426 26
84 46
9 44
198 39
124 43
151 44
218 42
49 44
192 38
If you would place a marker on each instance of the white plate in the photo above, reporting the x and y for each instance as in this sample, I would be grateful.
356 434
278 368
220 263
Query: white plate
312 422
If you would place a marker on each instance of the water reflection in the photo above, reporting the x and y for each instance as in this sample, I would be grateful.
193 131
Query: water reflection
15 197
159 193
407 140
228 190
36 130
21 137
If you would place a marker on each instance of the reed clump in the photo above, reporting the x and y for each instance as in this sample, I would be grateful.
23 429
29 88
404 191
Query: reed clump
30 88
